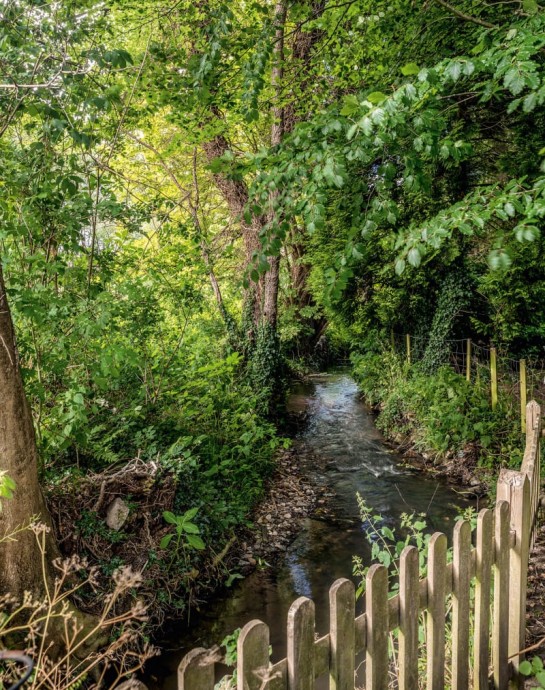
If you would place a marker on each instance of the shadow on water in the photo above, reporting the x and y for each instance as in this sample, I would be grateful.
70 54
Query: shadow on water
347 455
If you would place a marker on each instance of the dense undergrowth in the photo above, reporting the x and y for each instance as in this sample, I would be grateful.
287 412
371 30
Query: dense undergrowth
441 413
189 465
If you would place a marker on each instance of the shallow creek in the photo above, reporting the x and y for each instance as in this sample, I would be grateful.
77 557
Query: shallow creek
346 454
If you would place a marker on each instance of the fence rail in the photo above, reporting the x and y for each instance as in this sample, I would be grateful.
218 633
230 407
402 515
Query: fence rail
486 631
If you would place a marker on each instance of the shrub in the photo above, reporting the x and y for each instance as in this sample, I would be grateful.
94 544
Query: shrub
442 412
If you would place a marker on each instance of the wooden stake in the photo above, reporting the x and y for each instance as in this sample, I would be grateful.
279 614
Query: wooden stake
500 639
494 377
342 607
523 395
196 670
408 341
483 571
468 360
408 619
301 645
514 487
461 579
376 608
252 656
435 618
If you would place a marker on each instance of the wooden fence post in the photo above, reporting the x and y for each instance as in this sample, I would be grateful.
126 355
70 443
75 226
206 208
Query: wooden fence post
461 580
252 656
342 606
523 395
514 487
501 597
196 671
376 609
493 377
483 570
408 619
301 645
408 344
435 619
468 359
531 463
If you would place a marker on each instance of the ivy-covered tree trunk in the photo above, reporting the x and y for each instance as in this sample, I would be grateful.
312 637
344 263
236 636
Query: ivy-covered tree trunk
312 319
301 298
20 559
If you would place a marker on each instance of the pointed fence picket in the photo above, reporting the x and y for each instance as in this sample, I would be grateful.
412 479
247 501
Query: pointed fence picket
486 633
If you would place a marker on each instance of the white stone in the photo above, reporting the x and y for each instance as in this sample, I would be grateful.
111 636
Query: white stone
117 514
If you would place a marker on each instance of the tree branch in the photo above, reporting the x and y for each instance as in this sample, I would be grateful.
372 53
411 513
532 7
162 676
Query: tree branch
466 17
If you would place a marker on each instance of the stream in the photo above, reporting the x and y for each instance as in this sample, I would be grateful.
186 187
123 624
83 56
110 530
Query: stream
352 457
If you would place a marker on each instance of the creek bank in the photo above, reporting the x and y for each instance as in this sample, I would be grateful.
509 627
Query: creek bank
459 468
82 514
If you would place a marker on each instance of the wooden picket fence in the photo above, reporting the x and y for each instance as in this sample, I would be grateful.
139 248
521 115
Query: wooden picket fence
487 630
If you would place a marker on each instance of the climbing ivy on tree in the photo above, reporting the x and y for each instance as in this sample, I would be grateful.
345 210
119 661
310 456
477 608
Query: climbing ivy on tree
454 295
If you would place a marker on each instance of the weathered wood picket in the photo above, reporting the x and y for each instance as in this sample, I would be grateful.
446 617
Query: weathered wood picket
486 632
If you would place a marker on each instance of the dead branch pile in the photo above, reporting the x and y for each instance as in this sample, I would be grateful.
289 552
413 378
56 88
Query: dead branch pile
79 507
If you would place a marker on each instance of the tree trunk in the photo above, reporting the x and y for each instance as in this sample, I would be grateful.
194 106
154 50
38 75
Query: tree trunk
272 277
261 300
301 55
20 560
235 193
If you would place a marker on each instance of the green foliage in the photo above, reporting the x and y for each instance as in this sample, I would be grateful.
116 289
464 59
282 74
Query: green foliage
7 487
91 524
265 366
443 412
533 669
141 197
230 644
387 546
454 295
186 532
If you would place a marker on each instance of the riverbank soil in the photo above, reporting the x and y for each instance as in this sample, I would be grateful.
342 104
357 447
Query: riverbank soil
461 469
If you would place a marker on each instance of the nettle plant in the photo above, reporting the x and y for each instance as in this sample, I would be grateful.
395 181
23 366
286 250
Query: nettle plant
386 548
185 534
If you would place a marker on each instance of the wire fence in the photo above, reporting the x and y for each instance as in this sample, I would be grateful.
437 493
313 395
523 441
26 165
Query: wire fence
509 381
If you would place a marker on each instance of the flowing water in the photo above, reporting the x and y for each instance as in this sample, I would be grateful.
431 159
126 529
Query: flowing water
346 454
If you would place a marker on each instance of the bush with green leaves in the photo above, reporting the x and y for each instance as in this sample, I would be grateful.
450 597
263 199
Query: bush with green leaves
7 487
185 535
441 413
